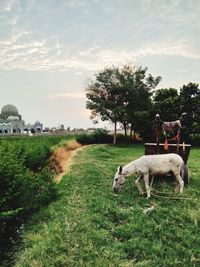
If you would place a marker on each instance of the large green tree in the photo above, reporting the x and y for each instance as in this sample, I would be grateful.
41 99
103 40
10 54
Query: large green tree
139 106
190 103
119 94
167 104
170 104
106 98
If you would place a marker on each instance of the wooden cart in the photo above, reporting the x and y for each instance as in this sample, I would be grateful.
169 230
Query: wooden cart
160 148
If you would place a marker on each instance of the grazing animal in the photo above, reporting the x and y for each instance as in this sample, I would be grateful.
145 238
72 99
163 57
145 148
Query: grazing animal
171 125
151 165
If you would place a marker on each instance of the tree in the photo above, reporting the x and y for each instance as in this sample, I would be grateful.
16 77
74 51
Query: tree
167 104
117 94
139 96
190 103
105 98
170 105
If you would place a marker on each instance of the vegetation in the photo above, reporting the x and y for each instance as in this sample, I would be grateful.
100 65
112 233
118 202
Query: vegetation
166 103
121 95
26 183
99 136
89 225
190 103
170 105
125 96
195 139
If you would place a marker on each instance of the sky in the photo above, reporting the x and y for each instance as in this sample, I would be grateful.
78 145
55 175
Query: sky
51 49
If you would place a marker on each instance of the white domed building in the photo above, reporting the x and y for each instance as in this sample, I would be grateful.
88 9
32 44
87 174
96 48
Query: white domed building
11 122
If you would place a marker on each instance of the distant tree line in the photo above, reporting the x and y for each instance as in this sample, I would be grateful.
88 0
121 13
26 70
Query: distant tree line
127 96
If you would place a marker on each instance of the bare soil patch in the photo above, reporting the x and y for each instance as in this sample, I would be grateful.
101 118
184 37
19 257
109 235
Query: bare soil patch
61 158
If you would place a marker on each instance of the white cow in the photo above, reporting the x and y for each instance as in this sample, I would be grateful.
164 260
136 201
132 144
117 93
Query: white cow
151 165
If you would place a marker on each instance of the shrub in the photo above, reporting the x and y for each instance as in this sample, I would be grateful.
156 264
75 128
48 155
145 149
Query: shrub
99 136
35 157
195 139
85 139
26 183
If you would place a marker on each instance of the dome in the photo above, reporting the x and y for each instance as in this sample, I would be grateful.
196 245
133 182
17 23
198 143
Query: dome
13 118
9 109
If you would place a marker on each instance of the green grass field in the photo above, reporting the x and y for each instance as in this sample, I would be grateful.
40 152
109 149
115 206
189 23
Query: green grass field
89 225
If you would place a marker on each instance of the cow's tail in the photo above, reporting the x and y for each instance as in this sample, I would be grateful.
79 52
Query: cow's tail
182 171
184 174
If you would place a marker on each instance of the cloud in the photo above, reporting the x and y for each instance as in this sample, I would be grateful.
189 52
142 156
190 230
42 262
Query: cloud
168 48
67 95
78 73
54 56
23 46
12 39
8 5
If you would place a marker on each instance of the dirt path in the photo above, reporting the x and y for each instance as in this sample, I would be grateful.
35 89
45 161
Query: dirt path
62 158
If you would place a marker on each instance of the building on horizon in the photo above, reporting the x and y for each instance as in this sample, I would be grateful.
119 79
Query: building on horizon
11 122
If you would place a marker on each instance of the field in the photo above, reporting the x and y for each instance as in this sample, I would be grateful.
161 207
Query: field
89 225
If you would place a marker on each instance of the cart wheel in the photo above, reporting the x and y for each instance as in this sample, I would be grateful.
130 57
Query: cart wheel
185 175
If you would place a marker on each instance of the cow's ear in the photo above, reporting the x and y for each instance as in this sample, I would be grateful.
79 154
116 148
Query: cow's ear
120 169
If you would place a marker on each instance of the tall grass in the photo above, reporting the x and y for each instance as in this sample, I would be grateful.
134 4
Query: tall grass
90 226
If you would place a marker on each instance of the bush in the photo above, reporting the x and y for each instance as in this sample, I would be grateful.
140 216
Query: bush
99 136
26 184
35 157
195 139
85 139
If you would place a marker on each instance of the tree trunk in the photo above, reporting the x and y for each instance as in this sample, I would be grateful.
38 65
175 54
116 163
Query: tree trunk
115 134
131 132
134 137
125 132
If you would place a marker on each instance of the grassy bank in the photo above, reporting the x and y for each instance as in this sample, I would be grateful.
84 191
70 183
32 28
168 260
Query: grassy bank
88 225
26 184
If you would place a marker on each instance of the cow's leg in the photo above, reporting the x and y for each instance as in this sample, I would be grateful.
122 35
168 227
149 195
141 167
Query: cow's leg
137 183
177 188
146 181
151 179
181 182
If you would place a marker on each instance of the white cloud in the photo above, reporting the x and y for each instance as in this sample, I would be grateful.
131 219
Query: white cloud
12 39
8 5
78 73
67 95
181 49
25 49
52 55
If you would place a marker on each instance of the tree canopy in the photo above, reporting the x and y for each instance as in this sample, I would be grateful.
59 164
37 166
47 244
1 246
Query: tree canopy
124 95
167 103
121 95
190 103
170 104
